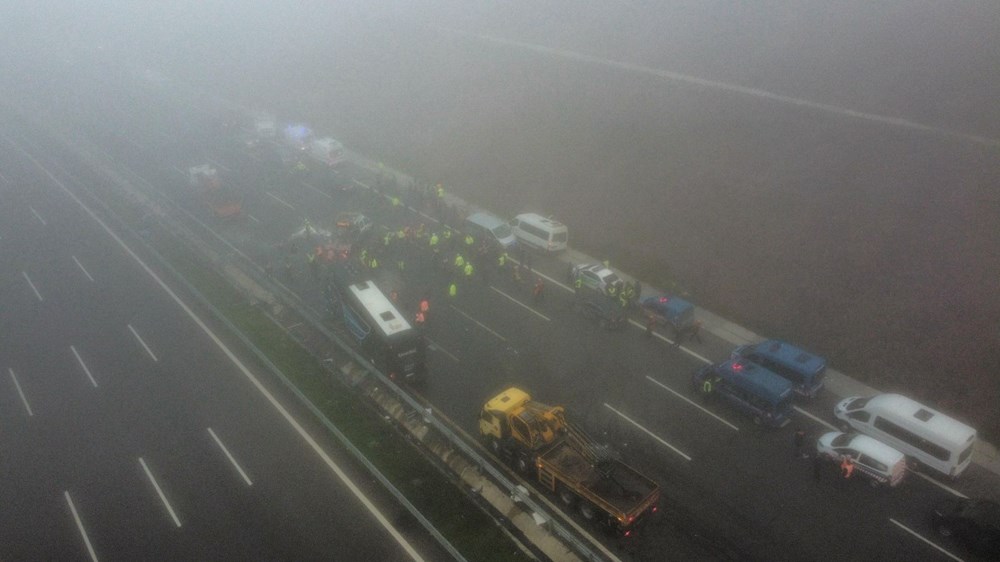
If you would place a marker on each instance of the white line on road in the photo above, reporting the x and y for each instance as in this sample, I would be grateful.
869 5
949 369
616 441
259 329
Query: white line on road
279 200
816 419
180 171
362 184
159 492
914 533
257 384
219 165
939 484
37 216
84 365
253 218
79 525
648 432
478 323
4 178
734 88
24 400
694 354
230 457
689 401
32 285
323 193
437 346
83 269
532 310
144 346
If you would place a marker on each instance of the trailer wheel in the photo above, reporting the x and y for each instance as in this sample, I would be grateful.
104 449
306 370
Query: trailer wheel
567 496
588 510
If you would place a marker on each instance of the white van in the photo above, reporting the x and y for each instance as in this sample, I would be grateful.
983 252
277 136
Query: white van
536 231
327 150
485 225
874 460
921 433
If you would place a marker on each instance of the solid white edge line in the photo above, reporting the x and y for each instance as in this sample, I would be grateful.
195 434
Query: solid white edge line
239 364
17 385
939 484
144 346
37 216
159 492
515 301
32 285
230 457
441 349
921 537
83 269
478 323
79 525
689 401
84 365
648 432
279 200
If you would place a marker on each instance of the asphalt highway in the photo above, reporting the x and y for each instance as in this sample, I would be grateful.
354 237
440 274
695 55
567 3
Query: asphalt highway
731 490
129 432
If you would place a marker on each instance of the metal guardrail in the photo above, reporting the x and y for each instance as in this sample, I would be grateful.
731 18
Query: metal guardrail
165 215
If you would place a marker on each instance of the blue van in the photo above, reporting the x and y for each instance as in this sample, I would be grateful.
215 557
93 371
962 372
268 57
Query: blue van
803 369
667 310
760 393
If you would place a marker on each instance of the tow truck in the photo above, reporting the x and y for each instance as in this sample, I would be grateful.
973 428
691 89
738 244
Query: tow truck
537 439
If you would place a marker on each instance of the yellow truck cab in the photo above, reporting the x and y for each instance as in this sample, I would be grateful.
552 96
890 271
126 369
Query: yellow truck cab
537 439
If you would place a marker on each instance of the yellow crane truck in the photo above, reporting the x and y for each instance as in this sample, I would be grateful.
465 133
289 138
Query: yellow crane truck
536 438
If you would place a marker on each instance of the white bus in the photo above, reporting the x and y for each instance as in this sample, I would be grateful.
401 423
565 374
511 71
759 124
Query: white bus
384 335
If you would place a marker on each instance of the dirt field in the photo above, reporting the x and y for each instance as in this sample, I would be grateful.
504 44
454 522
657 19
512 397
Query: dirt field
876 246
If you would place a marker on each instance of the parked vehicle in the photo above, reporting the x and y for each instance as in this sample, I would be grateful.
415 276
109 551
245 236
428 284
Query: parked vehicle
803 369
669 311
920 432
750 388
224 200
489 227
975 523
327 151
536 231
596 277
604 310
880 463
538 440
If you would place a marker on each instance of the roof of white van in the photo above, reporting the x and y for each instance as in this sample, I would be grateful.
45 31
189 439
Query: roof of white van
539 218
941 425
876 449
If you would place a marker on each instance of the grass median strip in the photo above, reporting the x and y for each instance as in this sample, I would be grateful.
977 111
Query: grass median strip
439 499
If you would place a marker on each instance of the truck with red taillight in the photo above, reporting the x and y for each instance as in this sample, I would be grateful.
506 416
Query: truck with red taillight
537 440
224 200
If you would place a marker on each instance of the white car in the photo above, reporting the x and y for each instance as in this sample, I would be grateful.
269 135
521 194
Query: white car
873 459
596 277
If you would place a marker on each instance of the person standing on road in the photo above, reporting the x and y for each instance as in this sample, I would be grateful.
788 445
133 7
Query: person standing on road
452 290
847 467
538 292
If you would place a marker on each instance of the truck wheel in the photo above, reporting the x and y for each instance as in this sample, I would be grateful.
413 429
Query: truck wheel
588 510
524 464
494 445
567 496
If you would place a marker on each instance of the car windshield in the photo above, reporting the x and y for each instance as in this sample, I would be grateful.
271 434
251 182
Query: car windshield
841 440
858 403
502 231
559 236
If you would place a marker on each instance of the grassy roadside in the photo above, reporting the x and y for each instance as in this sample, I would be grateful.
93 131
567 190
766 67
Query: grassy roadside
439 499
